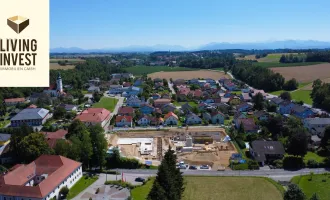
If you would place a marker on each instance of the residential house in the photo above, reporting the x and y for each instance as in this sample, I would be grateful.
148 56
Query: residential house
194 81
69 107
155 96
132 91
202 106
255 92
261 115
35 96
93 89
244 107
166 96
276 101
94 82
196 93
249 125
171 119
138 83
179 82
316 126
126 110
124 121
229 85
246 97
234 100
122 75
266 151
116 89
154 121
127 84
302 112
285 107
159 103
186 108
14 101
217 118
147 109
144 120
53 137
134 101
42 179
168 108
193 119
31 117
211 81
93 116
207 116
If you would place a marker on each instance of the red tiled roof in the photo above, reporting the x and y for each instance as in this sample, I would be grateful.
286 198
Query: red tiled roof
32 106
97 115
184 91
128 118
13 100
127 84
162 101
170 114
126 110
59 134
58 168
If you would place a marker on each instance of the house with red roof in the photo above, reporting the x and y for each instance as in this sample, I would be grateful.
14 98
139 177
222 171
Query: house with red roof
122 121
126 110
93 116
14 101
53 137
171 119
41 179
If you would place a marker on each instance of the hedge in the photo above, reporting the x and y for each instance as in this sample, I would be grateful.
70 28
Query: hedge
241 143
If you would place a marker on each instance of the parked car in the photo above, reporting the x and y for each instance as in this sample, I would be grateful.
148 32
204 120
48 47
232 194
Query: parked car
139 179
193 167
182 167
204 167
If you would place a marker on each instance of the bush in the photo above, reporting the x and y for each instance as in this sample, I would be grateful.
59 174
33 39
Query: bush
241 143
64 191
293 162
278 163
312 163
240 166
253 165
120 183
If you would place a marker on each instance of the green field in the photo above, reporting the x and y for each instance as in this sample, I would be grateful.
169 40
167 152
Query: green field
70 60
140 70
313 156
224 188
107 103
301 85
81 185
315 185
278 64
302 95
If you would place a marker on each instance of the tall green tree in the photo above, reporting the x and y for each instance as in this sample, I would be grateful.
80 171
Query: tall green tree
315 197
99 144
62 148
86 149
298 143
258 101
16 137
285 96
33 146
325 141
294 193
168 184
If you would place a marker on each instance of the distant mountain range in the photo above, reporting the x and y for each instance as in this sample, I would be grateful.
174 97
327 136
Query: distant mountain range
289 44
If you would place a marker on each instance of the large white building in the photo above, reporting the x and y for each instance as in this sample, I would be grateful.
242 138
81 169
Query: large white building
42 179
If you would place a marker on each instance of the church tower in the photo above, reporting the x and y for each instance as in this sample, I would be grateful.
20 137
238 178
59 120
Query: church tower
59 83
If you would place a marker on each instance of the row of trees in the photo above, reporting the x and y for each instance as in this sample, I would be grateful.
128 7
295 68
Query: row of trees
292 58
258 77
321 94
208 61
318 56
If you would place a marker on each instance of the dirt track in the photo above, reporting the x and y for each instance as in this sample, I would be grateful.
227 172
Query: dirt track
305 74
216 75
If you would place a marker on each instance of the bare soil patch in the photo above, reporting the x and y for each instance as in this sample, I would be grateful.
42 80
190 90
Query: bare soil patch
57 66
305 74
187 75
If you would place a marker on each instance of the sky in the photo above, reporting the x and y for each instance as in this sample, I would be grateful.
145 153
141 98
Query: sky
96 24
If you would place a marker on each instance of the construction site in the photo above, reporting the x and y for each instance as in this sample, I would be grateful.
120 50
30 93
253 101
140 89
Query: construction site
194 146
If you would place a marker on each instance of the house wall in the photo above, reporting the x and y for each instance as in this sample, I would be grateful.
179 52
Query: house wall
285 109
171 121
123 123
144 121
68 181
218 119
194 120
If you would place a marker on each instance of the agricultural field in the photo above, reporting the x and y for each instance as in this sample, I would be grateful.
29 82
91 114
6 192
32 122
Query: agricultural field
107 103
278 64
140 70
319 184
305 74
225 188
273 57
55 66
187 75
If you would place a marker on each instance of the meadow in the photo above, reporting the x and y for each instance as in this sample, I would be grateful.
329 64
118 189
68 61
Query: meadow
55 66
225 188
107 103
140 70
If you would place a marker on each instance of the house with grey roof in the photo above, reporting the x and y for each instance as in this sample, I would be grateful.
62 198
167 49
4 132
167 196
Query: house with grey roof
316 126
193 119
31 117
266 151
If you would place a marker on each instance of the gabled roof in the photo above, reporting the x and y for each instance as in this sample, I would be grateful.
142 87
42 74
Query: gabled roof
217 113
127 118
260 113
31 113
243 105
162 101
170 114
58 168
299 108
126 110
96 115
276 100
248 124
147 105
13 100
262 148
59 134
317 121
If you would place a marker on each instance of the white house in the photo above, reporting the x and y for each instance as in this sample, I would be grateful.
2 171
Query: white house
122 121
42 179
193 119
171 119
144 120
316 126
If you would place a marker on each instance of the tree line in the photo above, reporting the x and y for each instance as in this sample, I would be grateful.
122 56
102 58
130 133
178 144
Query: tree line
318 56
292 58
321 95
208 61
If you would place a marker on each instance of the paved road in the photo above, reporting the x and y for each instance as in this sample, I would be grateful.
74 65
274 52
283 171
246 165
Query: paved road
170 85
276 174
119 103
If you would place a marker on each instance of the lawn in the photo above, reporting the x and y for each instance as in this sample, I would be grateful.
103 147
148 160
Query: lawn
316 185
191 103
4 123
80 186
302 95
140 70
225 188
301 85
107 103
278 64
313 156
